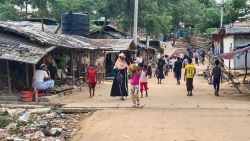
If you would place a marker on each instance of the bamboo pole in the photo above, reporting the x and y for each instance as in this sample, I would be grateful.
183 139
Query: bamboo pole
72 67
224 70
231 74
8 75
35 90
27 74
245 67
104 75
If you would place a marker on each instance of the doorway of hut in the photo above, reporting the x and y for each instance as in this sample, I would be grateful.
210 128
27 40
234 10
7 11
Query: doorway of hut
111 57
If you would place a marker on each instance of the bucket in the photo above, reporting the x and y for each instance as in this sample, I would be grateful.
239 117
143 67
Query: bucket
27 96
40 93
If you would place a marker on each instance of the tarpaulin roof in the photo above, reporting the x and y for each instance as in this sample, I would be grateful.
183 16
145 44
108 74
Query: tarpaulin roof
230 55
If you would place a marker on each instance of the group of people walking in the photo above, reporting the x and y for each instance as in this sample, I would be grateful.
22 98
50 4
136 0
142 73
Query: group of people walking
139 74
138 82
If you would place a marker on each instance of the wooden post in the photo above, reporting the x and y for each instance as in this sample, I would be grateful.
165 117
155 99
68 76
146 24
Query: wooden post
8 75
245 66
223 68
35 90
27 74
104 75
72 67
232 75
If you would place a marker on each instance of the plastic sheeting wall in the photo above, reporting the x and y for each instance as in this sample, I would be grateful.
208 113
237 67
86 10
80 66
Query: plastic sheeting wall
239 60
228 46
232 41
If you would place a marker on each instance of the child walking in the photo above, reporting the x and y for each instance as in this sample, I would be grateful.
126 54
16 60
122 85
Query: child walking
144 81
135 87
216 75
156 70
92 81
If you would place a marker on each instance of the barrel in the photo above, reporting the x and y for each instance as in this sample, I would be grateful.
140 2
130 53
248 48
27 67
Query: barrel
27 96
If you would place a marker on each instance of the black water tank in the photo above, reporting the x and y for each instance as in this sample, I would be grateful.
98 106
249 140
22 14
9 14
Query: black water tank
75 24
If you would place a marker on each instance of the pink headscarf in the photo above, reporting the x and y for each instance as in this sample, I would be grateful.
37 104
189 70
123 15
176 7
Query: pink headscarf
121 64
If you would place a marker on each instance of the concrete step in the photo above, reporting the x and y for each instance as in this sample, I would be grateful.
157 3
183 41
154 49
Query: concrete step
10 98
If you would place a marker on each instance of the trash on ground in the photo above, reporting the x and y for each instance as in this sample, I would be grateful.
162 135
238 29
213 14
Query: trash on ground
25 125
24 117
13 112
125 136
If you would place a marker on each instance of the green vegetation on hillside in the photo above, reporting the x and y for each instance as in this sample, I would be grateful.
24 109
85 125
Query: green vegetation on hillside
155 17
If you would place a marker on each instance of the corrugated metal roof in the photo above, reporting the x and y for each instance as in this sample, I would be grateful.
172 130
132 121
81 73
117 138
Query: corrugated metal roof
237 29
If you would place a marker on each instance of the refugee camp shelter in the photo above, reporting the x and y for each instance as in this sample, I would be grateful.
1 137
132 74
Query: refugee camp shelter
23 48
107 32
127 46
229 39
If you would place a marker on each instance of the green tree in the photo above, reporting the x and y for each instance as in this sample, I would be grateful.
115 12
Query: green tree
152 16
22 4
209 19
234 9
8 11
42 9
59 7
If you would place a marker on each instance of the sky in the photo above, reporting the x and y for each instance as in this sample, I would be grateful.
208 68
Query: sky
219 1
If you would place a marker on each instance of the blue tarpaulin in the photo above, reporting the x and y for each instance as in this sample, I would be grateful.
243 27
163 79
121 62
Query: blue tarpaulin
230 55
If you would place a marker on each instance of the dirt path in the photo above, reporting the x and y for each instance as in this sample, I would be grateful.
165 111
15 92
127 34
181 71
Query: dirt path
166 125
169 115
170 50
164 96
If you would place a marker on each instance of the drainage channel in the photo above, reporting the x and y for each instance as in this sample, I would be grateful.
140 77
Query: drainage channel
40 122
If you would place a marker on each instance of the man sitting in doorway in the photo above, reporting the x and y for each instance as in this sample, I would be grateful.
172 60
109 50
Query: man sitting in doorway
42 79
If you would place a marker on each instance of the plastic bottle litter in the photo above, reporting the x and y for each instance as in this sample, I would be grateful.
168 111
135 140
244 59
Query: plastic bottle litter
56 131
39 124
19 139
24 117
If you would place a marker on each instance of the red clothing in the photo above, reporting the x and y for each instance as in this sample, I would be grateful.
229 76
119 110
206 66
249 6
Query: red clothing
92 76
143 86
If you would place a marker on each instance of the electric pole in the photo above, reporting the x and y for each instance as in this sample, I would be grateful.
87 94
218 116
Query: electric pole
135 21
221 13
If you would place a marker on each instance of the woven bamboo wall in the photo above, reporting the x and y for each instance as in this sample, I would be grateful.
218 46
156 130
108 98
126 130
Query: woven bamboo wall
3 74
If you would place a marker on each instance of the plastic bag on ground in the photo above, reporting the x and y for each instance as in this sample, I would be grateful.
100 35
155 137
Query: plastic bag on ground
24 117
